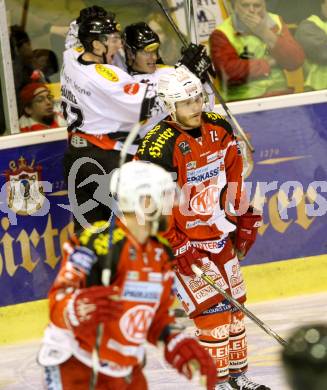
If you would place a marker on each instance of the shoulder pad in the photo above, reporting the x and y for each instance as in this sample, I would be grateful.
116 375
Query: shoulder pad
96 237
218 120
165 244
155 141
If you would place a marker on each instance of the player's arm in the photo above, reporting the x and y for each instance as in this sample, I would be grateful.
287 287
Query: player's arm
74 305
247 219
128 101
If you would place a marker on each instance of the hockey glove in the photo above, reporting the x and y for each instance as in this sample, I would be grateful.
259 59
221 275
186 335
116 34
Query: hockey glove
90 306
247 227
186 255
79 263
195 58
181 350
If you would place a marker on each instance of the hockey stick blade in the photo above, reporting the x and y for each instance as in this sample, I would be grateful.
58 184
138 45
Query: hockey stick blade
198 272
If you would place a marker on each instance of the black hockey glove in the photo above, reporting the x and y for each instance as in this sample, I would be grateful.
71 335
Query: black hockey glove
195 58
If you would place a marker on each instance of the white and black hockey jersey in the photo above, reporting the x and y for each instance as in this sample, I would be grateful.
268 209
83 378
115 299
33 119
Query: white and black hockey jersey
102 99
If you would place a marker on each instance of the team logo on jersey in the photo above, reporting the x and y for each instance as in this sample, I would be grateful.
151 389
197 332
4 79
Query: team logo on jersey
106 72
184 147
131 89
205 202
135 323
25 194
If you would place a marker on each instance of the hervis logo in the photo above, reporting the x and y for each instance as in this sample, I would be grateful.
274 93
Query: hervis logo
205 202
106 72
25 194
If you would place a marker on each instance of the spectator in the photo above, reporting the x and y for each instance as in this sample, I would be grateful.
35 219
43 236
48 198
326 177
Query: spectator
312 35
305 358
38 109
250 49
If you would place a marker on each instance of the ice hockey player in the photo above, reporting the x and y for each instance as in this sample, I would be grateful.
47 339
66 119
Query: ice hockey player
144 63
135 308
210 230
101 104
305 358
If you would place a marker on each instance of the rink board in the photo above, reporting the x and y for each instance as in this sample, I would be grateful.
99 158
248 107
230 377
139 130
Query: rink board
290 145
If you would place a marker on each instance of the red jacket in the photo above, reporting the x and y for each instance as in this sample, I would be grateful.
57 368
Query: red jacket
287 52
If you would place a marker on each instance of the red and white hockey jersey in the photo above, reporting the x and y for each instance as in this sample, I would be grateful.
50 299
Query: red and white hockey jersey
143 274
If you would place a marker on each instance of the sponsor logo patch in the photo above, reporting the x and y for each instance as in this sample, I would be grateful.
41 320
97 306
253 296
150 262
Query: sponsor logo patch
106 72
191 165
132 89
202 174
142 292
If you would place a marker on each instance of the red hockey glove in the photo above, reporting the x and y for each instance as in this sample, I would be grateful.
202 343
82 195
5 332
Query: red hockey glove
181 349
247 227
186 255
90 306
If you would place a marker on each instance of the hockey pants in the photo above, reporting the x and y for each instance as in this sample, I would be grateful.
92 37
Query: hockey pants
74 375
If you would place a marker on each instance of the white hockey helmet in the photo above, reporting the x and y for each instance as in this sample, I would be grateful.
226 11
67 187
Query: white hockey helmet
178 86
136 180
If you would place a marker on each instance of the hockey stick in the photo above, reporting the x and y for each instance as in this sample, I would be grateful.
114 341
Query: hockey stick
106 272
23 20
198 272
210 83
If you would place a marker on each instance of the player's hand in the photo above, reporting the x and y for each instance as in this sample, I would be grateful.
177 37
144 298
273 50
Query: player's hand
247 227
195 58
181 351
89 306
185 255
79 263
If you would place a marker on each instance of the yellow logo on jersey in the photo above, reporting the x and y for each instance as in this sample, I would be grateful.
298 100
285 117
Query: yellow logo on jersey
79 49
107 73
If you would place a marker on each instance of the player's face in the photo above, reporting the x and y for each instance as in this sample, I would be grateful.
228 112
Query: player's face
42 105
145 61
113 43
256 7
188 112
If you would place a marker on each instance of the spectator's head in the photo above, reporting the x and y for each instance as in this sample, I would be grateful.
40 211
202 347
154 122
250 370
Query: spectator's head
305 358
100 35
141 46
21 44
46 61
37 102
257 7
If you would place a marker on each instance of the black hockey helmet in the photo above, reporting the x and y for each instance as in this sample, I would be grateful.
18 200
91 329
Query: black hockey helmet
305 358
96 26
139 36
